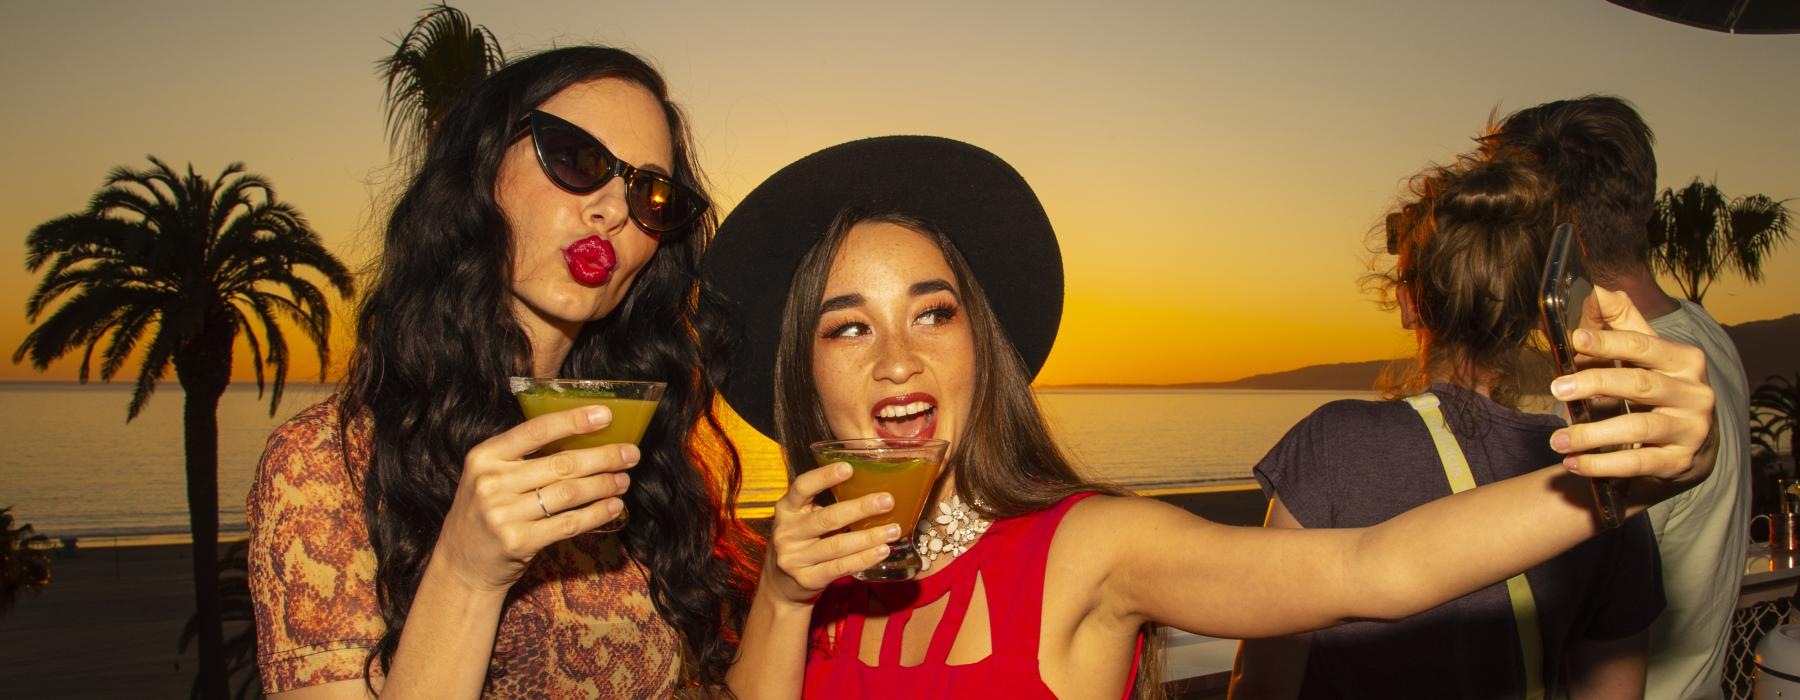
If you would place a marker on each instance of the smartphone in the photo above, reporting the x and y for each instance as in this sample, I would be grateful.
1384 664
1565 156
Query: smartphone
1565 290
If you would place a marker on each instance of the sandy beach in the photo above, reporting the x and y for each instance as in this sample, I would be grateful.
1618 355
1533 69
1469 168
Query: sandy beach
108 624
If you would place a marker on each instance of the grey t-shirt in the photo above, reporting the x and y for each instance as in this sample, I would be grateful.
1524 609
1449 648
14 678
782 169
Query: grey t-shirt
1702 532
1358 463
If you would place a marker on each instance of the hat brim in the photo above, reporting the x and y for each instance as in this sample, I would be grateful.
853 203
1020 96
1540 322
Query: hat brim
982 204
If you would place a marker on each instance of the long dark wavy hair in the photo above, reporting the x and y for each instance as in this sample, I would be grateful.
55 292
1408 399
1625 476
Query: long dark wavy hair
436 340
1005 461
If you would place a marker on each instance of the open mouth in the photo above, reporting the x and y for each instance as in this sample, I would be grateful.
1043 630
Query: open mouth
591 261
907 416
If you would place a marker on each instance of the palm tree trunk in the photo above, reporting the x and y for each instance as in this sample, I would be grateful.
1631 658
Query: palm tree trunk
202 427
204 368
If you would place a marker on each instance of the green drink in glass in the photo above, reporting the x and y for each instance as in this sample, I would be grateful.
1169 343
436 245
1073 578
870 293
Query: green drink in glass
632 404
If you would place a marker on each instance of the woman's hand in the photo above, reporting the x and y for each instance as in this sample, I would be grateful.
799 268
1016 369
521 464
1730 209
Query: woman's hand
804 555
1672 441
509 507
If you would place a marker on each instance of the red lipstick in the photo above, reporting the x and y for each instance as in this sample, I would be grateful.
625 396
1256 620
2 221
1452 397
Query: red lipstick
591 261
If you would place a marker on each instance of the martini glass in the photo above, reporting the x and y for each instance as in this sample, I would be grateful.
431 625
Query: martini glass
905 468
632 404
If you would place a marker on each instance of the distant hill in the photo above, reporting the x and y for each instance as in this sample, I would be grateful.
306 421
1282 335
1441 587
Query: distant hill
1767 347
1345 376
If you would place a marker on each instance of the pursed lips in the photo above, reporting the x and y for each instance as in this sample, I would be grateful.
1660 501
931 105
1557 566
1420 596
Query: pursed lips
590 261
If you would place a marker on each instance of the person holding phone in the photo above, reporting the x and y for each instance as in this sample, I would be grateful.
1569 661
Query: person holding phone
1598 155
1468 250
925 268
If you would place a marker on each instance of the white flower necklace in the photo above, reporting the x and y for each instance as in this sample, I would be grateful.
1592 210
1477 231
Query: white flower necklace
952 532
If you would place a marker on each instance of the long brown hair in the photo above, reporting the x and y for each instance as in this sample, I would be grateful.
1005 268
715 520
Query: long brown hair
1005 461
1469 245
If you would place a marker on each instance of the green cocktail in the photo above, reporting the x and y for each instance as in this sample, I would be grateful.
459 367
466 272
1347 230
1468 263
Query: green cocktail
632 404
630 417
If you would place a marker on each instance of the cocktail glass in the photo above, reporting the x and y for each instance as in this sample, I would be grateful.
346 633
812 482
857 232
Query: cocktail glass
906 468
632 404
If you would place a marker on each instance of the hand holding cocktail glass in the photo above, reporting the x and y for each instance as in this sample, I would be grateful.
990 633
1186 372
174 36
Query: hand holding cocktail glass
812 545
630 403
903 468
515 497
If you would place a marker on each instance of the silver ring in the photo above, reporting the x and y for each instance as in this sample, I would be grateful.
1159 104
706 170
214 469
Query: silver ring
540 496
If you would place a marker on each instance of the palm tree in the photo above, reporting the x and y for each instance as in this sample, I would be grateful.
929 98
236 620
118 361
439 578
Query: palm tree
24 566
1777 405
432 64
1698 232
193 264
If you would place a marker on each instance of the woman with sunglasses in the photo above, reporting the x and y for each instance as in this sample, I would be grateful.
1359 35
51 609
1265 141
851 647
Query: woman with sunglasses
925 294
406 538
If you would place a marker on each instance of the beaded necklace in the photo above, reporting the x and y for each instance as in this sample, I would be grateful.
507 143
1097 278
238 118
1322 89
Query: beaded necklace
952 532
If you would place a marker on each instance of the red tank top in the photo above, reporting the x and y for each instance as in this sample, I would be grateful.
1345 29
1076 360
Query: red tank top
1010 559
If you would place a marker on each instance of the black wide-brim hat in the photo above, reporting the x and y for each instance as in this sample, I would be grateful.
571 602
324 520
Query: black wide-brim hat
969 194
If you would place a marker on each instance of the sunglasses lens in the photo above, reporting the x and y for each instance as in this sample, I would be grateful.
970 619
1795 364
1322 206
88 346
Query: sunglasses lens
577 162
659 203
571 157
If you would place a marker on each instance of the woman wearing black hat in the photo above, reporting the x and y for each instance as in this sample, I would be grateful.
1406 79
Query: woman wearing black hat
406 536
925 281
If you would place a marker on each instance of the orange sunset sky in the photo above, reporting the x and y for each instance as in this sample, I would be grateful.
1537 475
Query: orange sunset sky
1211 167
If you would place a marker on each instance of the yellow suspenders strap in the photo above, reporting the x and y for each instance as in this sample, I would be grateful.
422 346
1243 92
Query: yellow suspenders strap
1524 606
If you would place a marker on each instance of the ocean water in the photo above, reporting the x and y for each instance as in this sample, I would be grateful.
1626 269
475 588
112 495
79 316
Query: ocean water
72 466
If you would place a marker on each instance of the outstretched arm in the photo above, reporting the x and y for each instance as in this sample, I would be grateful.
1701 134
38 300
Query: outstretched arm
1157 563
1271 668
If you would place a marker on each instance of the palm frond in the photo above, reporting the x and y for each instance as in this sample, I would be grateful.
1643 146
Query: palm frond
64 280
131 326
156 364
306 307
256 353
242 195
262 235
78 322
277 348
142 203
1756 223
434 62
84 264
73 233
161 183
